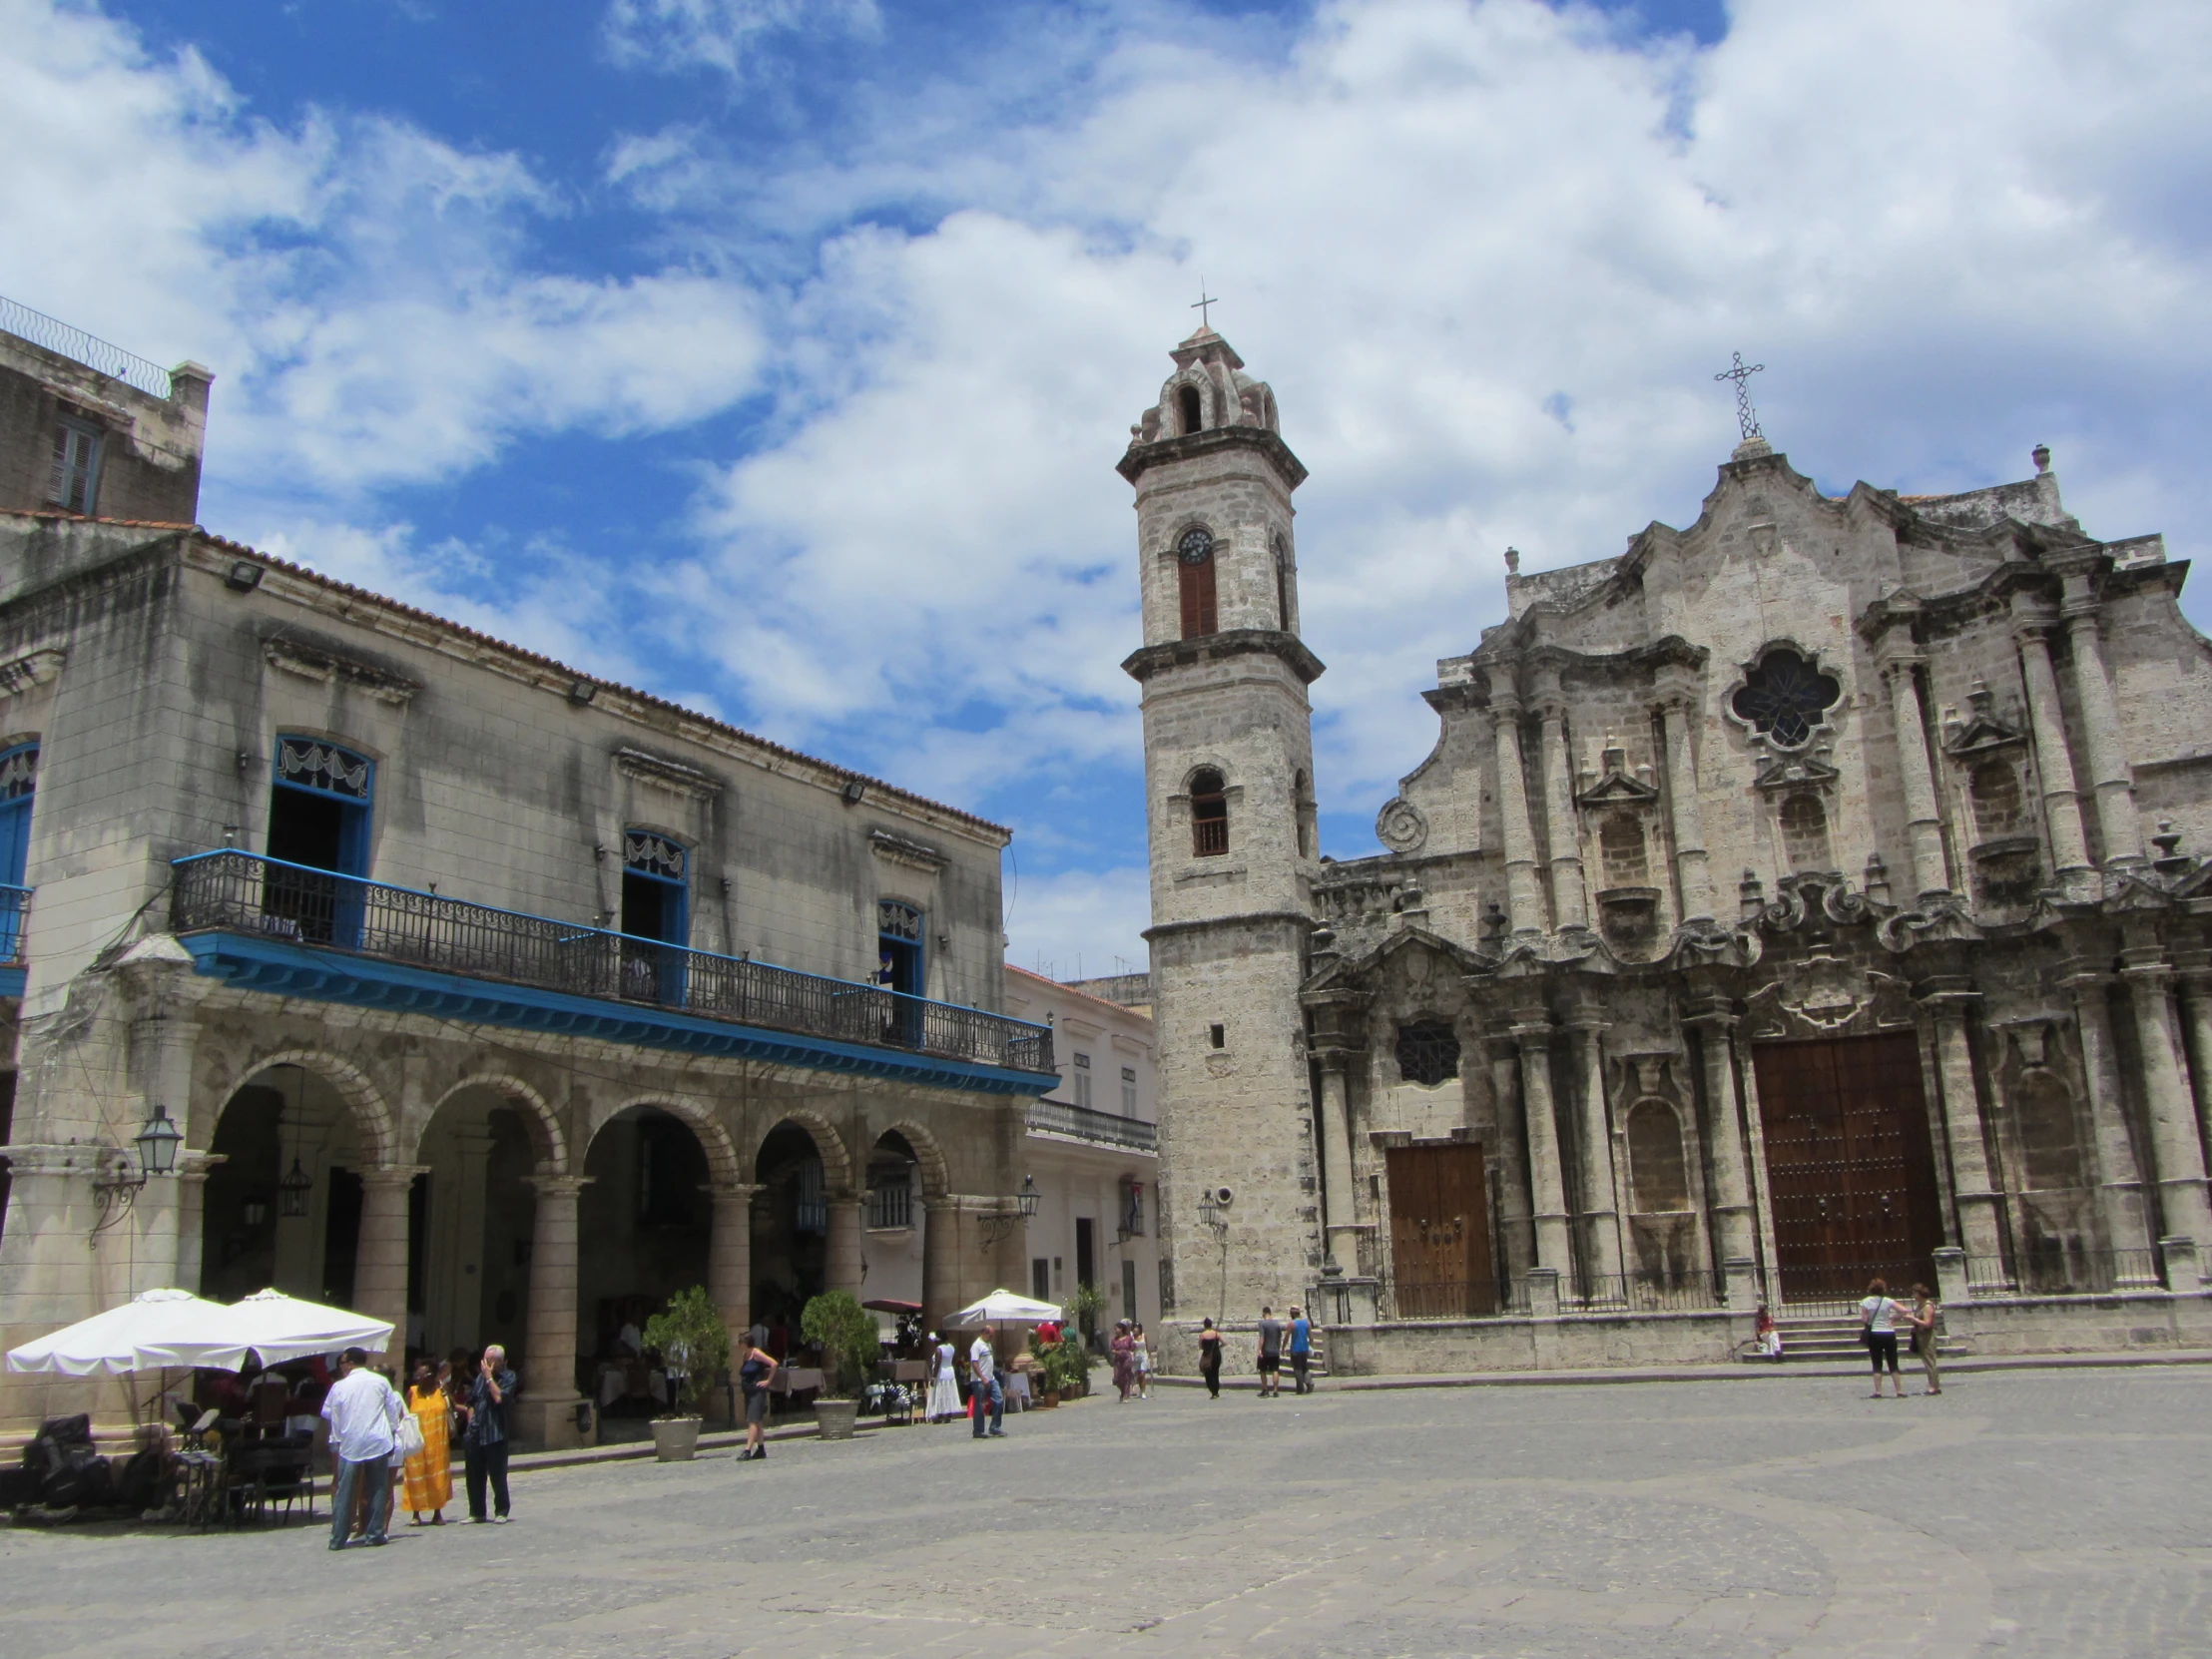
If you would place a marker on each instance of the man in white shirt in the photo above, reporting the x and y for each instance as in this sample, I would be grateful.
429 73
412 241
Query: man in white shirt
364 1412
983 1390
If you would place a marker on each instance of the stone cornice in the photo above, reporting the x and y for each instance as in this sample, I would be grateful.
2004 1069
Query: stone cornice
912 855
328 667
1142 457
664 774
1142 664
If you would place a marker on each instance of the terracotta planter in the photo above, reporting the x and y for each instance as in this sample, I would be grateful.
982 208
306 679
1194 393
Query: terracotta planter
675 1439
835 1417
1051 1399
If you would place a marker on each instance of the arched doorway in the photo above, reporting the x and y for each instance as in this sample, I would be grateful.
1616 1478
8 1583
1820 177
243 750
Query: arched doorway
791 1228
468 1282
646 1222
283 1207
893 1222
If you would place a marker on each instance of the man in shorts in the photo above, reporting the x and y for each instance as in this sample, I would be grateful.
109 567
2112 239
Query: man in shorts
1270 1355
1301 1352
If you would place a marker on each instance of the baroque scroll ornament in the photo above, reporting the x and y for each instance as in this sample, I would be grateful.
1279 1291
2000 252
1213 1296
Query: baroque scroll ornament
1400 825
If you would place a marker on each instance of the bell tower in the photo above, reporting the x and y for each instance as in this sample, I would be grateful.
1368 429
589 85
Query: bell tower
1229 797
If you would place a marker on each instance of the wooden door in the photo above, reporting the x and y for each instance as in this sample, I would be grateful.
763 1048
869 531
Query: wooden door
1441 1233
1849 1164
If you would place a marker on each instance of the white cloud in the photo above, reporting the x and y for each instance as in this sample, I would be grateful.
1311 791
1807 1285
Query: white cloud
1077 924
723 34
1442 227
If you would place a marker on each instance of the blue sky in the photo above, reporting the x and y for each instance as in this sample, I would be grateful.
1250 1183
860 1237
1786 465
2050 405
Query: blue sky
774 354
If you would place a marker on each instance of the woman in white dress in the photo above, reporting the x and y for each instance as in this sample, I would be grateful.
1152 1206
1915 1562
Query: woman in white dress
1143 1358
944 1393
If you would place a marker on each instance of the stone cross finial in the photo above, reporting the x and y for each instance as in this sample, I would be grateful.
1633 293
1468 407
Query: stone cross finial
1747 417
1204 299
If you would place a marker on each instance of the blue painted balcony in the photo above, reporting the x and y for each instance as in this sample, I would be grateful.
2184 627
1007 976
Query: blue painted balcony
15 905
293 930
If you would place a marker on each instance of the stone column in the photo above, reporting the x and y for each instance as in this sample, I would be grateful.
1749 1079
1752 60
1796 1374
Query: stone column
2046 719
1947 1005
193 1170
940 1268
2177 1155
2110 777
2195 979
2119 1175
1569 908
1517 1222
1547 1184
1340 1219
1686 819
729 1255
548 1369
1603 1252
1524 899
1923 823
380 1254
840 1256
1733 1233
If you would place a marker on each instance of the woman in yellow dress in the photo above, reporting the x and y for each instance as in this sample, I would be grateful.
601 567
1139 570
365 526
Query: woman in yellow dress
429 1472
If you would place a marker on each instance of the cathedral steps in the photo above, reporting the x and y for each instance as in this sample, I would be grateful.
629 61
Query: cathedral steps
1832 1338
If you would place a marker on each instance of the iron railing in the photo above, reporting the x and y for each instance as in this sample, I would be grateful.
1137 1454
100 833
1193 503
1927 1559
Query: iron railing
890 1205
2065 1272
67 342
1834 1288
1452 1299
247 893
15 903
1684 1292
1084 1123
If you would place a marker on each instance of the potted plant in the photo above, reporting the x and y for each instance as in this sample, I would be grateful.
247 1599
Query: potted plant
1085 1306
851 1348
1062 1369
693 1345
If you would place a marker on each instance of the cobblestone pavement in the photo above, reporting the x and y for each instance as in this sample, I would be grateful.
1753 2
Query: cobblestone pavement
2020 1515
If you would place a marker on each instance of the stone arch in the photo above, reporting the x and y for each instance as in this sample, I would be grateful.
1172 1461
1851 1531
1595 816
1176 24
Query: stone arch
840 1171
714 1137
531 1106
372 1117
936 1169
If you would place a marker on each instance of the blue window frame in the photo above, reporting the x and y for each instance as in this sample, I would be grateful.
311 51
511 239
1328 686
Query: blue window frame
319 800
18 784
900 966
656 906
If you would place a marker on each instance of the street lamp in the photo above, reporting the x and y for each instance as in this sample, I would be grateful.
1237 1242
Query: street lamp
294 1192
117 1190
998 1226
1028 1198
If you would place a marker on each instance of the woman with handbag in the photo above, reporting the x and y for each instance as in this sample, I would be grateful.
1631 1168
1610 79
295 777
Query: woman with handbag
423 1437
1877 1329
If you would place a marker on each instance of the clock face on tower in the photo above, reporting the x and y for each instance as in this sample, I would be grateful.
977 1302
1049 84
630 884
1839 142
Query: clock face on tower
1195 548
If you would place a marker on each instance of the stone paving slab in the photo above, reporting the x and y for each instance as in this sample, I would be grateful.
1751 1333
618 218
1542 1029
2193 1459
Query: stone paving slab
2024 1512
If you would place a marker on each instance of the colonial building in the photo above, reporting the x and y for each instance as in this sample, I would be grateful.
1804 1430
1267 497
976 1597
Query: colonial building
1801 896
489 997
1093 1150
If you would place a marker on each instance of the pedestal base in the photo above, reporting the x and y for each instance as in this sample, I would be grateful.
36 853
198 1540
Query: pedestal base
556 1424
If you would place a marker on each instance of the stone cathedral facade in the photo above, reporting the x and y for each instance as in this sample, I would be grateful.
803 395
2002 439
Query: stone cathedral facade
1809 894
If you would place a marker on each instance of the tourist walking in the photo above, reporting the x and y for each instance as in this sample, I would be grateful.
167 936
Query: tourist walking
1301 1352
1877 1315
428 1475
1927 1310
1209 1358
1123 1349
1270 1355
484 1444
984 1395
364 1414
945 1387
1140 1355
756 1370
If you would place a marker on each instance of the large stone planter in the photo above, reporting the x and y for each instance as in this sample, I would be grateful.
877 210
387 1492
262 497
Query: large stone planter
675 1440
836 1418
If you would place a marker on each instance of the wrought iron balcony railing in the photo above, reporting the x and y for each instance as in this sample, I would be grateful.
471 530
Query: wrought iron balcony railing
1053 1117
245 893
15 902
60 338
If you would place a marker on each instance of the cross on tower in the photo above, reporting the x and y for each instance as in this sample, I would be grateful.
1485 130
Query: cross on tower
1747 418
1205 317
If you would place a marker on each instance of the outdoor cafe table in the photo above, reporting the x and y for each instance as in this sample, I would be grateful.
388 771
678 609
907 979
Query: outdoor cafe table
792 1379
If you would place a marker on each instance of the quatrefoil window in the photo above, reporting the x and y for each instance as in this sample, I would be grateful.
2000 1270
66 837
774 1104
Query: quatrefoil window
1785 697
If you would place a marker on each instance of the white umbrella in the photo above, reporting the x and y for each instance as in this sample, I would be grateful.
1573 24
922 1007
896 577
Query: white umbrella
275 1325
121 1339
1003 1308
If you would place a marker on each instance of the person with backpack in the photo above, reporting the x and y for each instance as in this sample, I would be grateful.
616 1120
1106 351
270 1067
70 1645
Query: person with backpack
1877 1315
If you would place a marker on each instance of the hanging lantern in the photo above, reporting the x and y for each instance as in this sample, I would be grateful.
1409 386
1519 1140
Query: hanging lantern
294 1192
